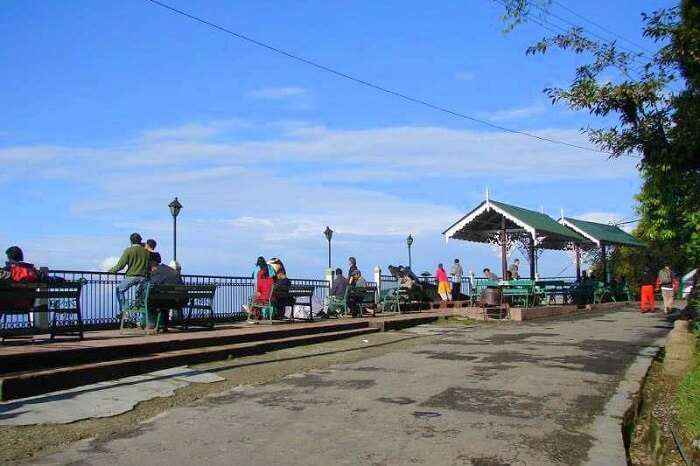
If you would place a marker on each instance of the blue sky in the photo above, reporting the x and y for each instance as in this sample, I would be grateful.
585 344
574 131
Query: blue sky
111 109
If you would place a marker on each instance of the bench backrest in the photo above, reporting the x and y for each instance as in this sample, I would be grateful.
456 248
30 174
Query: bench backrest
11 292
166 296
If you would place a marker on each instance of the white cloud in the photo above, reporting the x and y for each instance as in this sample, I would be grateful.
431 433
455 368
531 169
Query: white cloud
277 92
108 263
518 113
273 192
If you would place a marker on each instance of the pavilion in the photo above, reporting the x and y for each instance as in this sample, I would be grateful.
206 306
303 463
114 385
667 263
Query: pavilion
498 223
599 235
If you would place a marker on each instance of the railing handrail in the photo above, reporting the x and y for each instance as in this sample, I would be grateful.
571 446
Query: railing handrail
184 275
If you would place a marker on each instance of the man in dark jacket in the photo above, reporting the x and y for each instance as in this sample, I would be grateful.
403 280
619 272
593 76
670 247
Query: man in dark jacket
161 274
340 284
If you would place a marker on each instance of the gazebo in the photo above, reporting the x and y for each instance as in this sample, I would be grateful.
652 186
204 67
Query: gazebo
499 223
599 235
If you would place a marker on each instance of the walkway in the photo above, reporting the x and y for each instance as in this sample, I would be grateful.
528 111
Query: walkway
487 395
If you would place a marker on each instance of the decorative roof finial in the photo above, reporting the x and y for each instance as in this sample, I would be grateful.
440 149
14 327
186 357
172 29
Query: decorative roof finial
541 208
562 213
487 193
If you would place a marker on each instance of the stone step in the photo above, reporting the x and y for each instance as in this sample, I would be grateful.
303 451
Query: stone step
41 381
69 353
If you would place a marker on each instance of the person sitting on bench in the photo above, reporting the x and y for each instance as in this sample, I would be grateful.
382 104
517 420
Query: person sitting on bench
357 280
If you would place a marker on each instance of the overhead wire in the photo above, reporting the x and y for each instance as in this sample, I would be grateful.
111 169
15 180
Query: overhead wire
370 84
558 29
601 27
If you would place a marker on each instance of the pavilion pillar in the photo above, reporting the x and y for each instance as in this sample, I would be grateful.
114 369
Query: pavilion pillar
504 248
577 249
533 266
604 259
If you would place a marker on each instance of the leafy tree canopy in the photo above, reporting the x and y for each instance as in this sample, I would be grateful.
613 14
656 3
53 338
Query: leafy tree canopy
654 103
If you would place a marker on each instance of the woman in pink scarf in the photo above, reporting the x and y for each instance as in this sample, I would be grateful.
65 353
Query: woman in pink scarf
443 284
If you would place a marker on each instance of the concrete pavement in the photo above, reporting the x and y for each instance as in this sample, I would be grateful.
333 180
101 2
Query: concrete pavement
486 395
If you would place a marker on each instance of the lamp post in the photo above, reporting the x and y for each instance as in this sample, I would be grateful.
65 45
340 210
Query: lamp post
175 208
409 242
329 234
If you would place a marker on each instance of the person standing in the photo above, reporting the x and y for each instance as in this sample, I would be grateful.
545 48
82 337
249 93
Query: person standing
456 273
352 266
666 281
135 258
340 284
646 291
514 269
443 284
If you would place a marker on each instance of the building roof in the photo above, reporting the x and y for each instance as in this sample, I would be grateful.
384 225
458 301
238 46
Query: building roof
601 233
490 217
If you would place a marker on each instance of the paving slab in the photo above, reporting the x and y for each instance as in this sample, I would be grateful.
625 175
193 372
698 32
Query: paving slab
521 394
102 399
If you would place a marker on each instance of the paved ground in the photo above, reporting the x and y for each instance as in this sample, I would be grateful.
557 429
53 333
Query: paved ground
486 396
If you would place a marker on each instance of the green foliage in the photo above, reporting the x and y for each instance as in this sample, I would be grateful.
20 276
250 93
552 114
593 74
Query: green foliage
656 102
688 401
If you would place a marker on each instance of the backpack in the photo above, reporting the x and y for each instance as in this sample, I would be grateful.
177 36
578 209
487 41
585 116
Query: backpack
23 273
665 277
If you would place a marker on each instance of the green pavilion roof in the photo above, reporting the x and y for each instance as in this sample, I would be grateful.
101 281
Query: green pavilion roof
601 233
490 217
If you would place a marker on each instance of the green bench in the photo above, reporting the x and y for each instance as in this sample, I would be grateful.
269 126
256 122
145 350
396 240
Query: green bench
301 295
519 292
355 301
154 299
480 284
401 299
62 300
547 291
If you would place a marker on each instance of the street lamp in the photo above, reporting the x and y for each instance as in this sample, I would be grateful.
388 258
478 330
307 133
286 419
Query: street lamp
175 208
409 242
329 234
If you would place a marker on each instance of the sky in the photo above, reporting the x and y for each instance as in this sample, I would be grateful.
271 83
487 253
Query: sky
110 109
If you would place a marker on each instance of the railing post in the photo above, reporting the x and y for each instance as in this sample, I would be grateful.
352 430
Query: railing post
378 278
329 277
41 319
472 283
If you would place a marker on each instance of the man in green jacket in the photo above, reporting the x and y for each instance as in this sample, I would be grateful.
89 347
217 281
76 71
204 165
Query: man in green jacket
135 258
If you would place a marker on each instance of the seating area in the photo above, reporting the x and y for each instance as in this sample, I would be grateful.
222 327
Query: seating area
59 299
149 312
356 302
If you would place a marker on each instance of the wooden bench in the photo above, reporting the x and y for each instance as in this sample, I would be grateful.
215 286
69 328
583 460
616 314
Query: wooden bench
62 300
156 299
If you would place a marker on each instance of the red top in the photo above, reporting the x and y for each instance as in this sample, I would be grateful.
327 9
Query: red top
263 287
441 275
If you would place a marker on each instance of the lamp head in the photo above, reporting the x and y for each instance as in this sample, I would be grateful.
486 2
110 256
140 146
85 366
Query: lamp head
409 240
328 233
175 207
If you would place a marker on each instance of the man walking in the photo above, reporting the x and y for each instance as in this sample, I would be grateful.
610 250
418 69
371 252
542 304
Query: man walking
135 258
456 273
646 292
668 284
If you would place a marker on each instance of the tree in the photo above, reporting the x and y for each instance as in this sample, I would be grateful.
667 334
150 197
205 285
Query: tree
655 103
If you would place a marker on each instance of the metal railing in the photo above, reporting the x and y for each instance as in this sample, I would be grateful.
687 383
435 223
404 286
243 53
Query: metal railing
390 282
100 309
